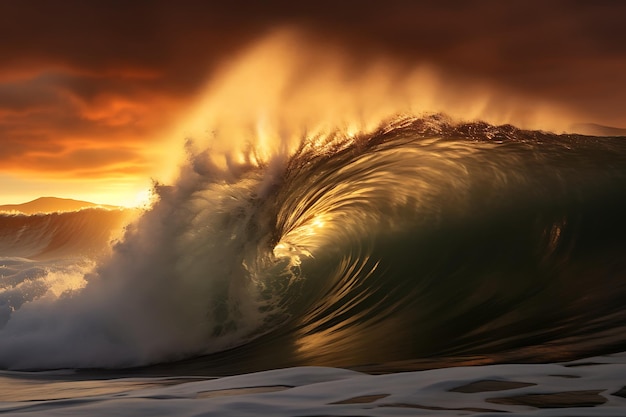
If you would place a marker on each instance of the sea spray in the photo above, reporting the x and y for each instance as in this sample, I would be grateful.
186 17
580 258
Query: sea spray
177 284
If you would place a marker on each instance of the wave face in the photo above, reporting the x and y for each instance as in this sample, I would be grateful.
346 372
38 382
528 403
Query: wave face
85 232
422 242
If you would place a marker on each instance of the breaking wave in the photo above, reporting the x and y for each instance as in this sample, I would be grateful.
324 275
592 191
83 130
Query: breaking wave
423 240
85 232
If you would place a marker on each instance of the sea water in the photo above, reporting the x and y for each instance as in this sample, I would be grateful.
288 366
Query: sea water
429 267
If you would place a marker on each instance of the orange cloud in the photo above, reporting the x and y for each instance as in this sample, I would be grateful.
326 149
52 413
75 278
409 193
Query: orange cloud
62 123
102 89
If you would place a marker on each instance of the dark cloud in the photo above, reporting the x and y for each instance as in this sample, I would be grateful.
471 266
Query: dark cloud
103 34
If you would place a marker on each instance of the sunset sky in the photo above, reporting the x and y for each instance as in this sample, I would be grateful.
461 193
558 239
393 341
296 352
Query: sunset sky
95 95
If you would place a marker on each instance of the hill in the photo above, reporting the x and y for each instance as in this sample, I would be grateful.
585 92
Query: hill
51 205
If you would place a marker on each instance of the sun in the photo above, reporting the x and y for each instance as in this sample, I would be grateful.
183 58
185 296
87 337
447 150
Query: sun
144 198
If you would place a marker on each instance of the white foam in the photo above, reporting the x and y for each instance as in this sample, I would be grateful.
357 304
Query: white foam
177 285
307 391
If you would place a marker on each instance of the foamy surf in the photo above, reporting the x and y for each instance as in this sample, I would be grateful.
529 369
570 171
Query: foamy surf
591 387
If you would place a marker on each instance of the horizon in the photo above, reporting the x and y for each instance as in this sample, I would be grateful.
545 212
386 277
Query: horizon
76 200
49 197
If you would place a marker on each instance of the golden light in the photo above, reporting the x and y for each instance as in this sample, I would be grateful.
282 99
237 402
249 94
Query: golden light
288 86
144 198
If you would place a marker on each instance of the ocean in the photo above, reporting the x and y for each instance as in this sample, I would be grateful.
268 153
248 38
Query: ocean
426 267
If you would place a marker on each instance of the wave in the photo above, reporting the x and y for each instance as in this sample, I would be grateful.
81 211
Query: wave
423 240
86 232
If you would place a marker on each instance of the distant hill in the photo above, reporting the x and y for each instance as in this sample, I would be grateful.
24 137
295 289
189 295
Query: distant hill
597 130
51 205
